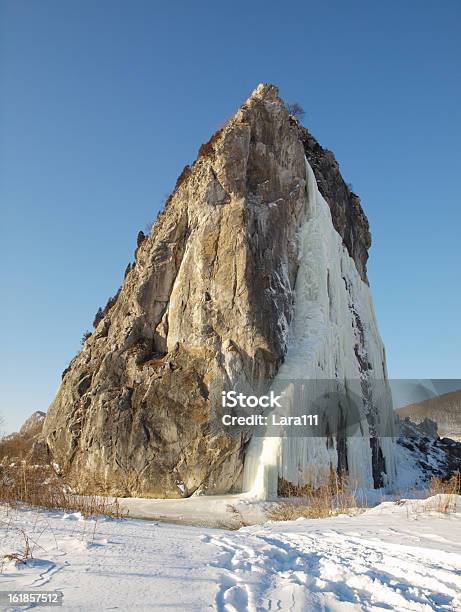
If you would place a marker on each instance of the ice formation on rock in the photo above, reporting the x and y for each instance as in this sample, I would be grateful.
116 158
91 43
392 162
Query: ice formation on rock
334 336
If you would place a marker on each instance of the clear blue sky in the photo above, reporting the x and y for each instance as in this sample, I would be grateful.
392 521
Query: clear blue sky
103 103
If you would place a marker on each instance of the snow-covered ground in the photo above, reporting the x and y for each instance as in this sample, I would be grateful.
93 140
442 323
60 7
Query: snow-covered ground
397 556
222 511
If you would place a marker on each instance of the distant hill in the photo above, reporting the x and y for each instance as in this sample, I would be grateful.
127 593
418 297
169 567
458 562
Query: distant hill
19 445
33 425
444 409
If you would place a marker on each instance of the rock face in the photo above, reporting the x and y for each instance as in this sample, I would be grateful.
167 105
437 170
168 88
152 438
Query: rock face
209 298
347 215
445 410
435 456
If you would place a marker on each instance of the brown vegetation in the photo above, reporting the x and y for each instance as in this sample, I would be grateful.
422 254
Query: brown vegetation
207 148
335 496
449 486
445 493
237 518
15 446
41 487
186 172
19 557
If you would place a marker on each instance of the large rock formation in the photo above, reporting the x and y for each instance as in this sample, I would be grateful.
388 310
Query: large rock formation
209 298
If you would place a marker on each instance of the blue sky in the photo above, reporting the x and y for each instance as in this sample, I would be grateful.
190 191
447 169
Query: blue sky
103 103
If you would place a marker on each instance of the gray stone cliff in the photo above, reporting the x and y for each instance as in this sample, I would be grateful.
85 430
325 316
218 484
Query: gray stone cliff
208 298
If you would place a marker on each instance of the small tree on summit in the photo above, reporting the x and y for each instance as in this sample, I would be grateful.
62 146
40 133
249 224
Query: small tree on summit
99 316
85 337
296 110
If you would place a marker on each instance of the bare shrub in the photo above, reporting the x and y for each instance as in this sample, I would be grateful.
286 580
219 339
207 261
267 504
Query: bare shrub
442 496
237 517
335 496
98 317
450 486
296 110
85 337
185 174
445 493
20 557
40 487
15 446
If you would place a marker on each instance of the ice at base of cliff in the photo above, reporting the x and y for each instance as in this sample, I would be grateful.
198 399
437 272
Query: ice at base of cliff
333 316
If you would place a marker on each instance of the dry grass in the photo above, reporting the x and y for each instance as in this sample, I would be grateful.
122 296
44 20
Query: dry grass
451 486
38 486
237 518
19 557
445 493
335 496
23 487
207 148
442 497
20 534
16 446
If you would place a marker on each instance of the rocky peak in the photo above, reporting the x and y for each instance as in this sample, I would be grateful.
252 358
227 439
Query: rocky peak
348 216
32 426
265 91
209 299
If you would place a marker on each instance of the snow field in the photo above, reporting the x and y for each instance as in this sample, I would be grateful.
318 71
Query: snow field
399 556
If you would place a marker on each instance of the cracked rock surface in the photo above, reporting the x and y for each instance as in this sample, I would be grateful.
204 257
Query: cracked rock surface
208 300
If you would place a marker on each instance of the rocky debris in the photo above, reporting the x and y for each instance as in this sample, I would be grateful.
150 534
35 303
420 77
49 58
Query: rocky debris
436 456
206 305
410 429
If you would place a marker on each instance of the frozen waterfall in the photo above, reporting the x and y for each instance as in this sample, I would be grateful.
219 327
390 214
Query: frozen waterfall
333 332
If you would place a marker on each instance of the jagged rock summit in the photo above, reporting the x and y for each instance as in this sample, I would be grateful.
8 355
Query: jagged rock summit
33 425
209 297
